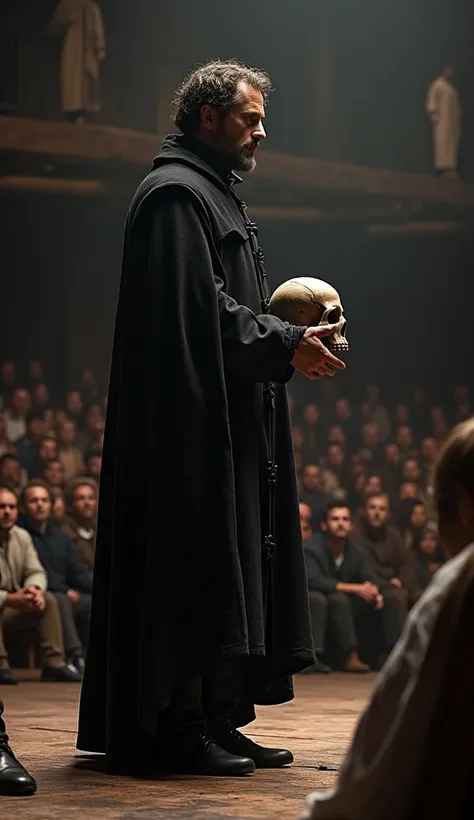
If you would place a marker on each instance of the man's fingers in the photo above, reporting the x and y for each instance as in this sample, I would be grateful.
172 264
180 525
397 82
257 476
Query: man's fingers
323 330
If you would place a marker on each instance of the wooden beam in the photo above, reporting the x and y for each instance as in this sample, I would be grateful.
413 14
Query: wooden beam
52 185
107 144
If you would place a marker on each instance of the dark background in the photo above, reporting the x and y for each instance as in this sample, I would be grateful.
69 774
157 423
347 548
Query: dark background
408 300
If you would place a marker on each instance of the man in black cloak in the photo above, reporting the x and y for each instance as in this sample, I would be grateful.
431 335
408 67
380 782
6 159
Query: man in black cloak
188 634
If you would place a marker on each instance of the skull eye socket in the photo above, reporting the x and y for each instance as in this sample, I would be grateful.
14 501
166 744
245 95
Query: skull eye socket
334 316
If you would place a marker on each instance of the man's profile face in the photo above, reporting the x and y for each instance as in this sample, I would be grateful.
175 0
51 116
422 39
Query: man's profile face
376 511
305 521
338 523
8 510
240 130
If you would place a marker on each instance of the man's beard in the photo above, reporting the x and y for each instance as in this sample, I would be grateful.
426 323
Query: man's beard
241 161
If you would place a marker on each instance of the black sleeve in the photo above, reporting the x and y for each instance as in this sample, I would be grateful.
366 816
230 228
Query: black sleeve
77 576
364 568
317 580
184 254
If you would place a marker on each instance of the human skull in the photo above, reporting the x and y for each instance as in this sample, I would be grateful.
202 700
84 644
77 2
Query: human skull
311 302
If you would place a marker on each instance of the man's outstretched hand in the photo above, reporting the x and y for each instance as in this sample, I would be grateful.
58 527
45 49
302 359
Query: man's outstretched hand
312 358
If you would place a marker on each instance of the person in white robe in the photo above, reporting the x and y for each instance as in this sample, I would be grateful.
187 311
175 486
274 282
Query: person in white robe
444 110
412 755
81 25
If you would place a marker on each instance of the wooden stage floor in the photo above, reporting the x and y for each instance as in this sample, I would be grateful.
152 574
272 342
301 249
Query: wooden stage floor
316 726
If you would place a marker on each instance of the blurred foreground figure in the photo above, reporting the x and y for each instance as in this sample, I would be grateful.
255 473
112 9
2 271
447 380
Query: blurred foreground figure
190 630
14 779
81 25
444 109
420 719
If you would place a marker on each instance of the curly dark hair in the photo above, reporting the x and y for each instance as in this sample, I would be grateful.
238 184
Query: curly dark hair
215 84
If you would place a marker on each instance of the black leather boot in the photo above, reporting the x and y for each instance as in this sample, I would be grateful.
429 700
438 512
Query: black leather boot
191 750
233 741
14 779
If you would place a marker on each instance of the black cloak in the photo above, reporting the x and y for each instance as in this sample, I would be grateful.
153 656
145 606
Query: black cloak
178 574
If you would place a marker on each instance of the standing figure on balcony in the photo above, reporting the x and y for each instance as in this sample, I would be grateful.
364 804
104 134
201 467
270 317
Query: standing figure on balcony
81 25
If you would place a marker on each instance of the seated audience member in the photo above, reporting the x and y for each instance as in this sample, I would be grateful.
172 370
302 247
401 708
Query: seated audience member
35 373
335 470
5 445
27 447
40 398
411 473
69 455
93 464
53 473
429 556
98 440
15 414
371 451
380 416
336 435
75 409
408 490
440 430
462 409
24 602
401 415
11 473
94 422
373 484
356 494
80 523
345 602
89 389
413 523
318 627
392 563
312 431
345 419
314 494
8 382
404 440
421 707
58 510
68 580
429 452
391 468
47 451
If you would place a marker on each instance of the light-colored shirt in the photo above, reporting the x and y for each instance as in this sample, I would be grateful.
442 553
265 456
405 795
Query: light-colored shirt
379 773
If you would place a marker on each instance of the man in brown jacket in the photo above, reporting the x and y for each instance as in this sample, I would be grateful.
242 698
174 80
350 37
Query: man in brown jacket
24 601
80 523
392 562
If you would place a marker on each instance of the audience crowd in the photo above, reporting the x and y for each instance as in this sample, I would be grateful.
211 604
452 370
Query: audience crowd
367 521
367 518
50 462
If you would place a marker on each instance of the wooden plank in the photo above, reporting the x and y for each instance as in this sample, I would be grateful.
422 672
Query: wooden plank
317 726
105 143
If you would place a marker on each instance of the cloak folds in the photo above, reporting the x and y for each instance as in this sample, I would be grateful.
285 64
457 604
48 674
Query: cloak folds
178 580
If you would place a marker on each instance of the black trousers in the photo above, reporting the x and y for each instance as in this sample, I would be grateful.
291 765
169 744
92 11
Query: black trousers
75 620
342 623
207 698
